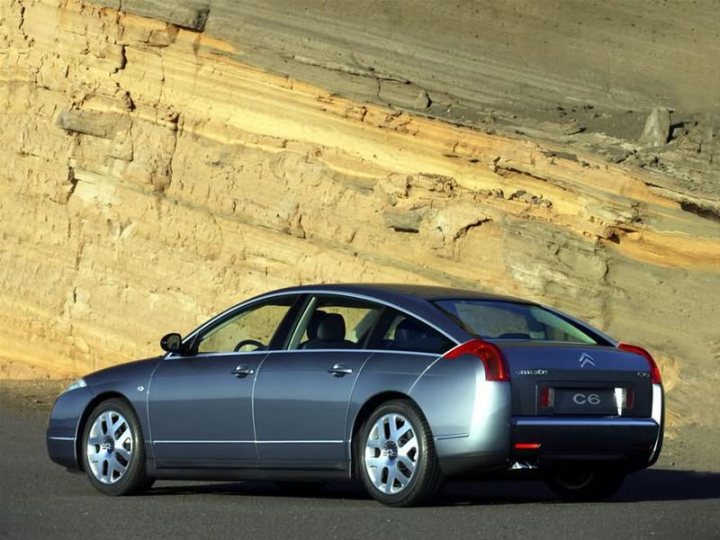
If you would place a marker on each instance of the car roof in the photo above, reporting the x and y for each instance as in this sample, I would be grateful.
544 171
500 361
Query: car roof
424 292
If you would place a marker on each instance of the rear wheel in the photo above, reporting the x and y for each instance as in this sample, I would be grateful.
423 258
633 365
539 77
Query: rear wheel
113 450
578 483
396 456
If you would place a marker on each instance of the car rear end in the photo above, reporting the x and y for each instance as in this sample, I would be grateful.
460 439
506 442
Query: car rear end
581 403
577 397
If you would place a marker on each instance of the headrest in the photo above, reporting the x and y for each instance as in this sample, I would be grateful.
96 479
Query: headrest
409 331
331 327
312 328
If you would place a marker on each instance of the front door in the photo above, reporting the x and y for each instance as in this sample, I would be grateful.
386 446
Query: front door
201 410
200 404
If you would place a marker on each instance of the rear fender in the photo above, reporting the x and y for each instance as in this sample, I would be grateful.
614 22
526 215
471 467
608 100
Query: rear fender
384 375
469 416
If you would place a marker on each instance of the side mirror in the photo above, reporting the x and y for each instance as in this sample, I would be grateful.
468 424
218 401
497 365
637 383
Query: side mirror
171 343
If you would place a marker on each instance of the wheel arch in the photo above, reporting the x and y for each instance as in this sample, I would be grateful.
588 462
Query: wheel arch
94 402
365 411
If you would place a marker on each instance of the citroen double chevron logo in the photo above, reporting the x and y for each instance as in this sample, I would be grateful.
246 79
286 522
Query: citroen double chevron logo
586 360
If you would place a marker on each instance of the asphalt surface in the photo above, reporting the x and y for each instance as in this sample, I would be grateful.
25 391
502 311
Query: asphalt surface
39 499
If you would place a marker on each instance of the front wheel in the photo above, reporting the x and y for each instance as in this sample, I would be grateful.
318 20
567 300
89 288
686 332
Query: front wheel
585 484
396 455
112 449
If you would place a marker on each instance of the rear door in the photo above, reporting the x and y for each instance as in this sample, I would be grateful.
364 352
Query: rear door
302 394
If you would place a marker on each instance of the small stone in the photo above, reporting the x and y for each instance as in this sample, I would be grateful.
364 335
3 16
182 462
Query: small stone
189 14
615 154
95 123
401 220
657 128
571 128
404 95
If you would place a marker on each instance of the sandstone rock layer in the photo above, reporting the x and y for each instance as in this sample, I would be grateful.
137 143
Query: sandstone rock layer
152 178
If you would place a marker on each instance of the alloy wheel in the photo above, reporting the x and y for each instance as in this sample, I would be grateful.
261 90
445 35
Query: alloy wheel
391 453
109 447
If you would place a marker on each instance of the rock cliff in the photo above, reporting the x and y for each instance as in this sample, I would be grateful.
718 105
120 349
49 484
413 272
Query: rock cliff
165 160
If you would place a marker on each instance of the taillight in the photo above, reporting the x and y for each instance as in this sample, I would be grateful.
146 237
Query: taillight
527 445
490 354
630 398
547 397
654 369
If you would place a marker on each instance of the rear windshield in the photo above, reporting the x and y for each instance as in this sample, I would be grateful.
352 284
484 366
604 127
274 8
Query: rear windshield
508 320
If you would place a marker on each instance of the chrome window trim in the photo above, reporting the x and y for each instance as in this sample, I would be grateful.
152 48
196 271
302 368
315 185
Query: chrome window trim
380 351
294 342
308 351
270 296
174 356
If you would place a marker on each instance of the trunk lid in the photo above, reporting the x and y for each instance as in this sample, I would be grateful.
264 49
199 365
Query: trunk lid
555 378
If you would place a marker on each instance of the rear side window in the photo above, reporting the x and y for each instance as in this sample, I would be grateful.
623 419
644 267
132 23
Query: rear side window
401 332
509 320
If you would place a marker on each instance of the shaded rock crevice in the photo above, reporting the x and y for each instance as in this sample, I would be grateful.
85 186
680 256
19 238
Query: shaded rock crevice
705 212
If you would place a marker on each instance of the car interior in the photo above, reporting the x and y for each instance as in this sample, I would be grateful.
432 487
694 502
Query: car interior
327 331
357 325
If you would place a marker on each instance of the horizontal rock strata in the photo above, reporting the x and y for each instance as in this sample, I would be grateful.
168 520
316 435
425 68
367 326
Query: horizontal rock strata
152 178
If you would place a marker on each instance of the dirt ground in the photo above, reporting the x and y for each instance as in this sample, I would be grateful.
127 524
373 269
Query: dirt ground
690 448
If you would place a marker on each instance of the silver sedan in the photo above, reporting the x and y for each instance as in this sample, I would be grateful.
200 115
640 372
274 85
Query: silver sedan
398 387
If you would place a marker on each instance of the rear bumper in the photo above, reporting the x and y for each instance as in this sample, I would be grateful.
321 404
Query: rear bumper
632 440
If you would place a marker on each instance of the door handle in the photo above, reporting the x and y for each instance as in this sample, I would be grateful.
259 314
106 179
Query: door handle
340 370
242 371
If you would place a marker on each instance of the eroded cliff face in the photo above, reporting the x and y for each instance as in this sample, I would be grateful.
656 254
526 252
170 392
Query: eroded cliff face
151 178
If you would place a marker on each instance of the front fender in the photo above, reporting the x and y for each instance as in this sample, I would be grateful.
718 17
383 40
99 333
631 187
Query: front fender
129 381
63 426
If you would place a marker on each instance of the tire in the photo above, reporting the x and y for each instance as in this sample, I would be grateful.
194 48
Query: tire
113 450
395 455
585 483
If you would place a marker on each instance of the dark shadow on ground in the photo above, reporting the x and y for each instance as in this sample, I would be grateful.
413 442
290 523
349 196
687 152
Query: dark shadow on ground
670 485
648 485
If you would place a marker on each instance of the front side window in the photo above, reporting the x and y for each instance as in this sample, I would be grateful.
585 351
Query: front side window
250 329
510 320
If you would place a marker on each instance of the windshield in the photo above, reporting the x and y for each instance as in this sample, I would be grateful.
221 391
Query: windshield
509 320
